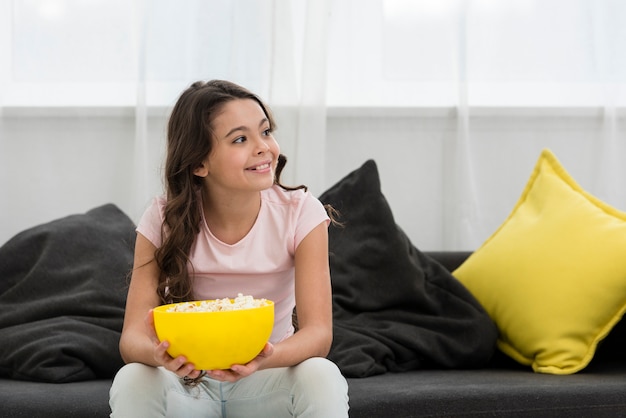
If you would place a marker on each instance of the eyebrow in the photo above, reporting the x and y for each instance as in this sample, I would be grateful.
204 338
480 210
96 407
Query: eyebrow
243 128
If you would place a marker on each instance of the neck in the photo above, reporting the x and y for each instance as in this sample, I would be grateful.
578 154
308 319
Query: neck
231 217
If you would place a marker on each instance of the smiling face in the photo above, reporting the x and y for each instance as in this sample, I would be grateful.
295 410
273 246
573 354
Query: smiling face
244 153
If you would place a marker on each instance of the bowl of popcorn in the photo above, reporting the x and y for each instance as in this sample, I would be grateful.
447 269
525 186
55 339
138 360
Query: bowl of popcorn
215 334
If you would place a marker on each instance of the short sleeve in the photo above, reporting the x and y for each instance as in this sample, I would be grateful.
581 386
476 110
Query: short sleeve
312 214
151 221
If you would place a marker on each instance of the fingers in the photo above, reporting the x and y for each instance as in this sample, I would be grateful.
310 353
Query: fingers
229 375
160 352
183 369
267 351
255 364
238 371
178 365
197 373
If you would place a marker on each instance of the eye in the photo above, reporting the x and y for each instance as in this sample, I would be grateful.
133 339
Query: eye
267 132
239 140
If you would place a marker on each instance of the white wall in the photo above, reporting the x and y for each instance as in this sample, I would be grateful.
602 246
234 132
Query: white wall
52 166
413 156
90 160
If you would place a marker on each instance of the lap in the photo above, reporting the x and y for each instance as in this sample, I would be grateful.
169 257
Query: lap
273 392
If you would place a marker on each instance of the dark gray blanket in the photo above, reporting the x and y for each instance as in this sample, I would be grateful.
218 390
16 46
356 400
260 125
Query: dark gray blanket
63 290
62 296
395 309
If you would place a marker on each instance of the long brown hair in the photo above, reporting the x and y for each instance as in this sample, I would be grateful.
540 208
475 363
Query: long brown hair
189 142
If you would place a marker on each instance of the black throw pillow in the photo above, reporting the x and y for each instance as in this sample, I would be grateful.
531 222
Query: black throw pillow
394 308
63 290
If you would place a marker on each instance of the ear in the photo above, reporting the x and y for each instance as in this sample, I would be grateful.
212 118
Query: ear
202 170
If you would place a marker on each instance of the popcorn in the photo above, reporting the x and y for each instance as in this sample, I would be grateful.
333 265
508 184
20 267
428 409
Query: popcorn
218 305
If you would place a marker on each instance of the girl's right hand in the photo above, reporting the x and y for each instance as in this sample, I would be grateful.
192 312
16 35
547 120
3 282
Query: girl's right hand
178 365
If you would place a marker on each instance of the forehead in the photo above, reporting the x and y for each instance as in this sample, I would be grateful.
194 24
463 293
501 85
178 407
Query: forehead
245 113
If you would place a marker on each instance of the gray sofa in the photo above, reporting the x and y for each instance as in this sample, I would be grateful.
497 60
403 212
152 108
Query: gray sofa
499 388
411 340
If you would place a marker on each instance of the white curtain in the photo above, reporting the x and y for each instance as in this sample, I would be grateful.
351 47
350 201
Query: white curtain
454 99
520 60
577 50
277 49
78 76
297 90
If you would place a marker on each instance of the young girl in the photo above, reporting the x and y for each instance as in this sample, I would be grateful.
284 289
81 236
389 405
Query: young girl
227 226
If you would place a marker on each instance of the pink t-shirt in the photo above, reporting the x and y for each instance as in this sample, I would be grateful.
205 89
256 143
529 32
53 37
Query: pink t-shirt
261 264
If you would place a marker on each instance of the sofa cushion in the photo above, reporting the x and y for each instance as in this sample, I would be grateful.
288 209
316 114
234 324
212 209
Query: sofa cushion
395 308
50 400
63 291
598 391
553 275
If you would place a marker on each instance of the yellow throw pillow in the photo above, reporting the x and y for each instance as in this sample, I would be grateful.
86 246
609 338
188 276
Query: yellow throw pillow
553 275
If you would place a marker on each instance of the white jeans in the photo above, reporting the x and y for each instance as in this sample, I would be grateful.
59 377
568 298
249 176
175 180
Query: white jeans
314 388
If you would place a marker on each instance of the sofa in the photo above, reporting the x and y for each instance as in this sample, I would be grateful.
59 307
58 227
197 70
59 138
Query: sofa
502 387
415 333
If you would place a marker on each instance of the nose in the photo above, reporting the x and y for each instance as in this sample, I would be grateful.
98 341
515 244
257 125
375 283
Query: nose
262 146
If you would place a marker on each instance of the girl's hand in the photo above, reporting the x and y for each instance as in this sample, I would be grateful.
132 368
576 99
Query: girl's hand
178 365
239 371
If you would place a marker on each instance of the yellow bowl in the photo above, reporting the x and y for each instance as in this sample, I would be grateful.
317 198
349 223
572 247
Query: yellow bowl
215 340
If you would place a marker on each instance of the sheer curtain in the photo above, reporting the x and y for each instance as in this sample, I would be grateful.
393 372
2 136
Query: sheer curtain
275 48
569 50
122 64
453 98
539 67
608 36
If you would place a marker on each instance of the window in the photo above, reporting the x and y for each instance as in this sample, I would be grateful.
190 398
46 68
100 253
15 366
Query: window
488 52
380 52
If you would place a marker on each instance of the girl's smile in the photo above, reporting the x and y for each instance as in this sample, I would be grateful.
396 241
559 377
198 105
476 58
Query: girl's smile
262 168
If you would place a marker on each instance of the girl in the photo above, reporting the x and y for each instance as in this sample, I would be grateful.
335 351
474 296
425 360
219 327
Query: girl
227 226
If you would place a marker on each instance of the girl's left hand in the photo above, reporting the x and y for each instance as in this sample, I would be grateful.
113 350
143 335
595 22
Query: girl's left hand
239 371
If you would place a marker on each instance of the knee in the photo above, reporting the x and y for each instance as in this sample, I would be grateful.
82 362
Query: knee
320 389
139 390
322 373
318 365
136 379
132 375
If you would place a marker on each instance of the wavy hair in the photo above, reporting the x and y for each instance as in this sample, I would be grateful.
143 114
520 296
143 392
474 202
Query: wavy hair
189 142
